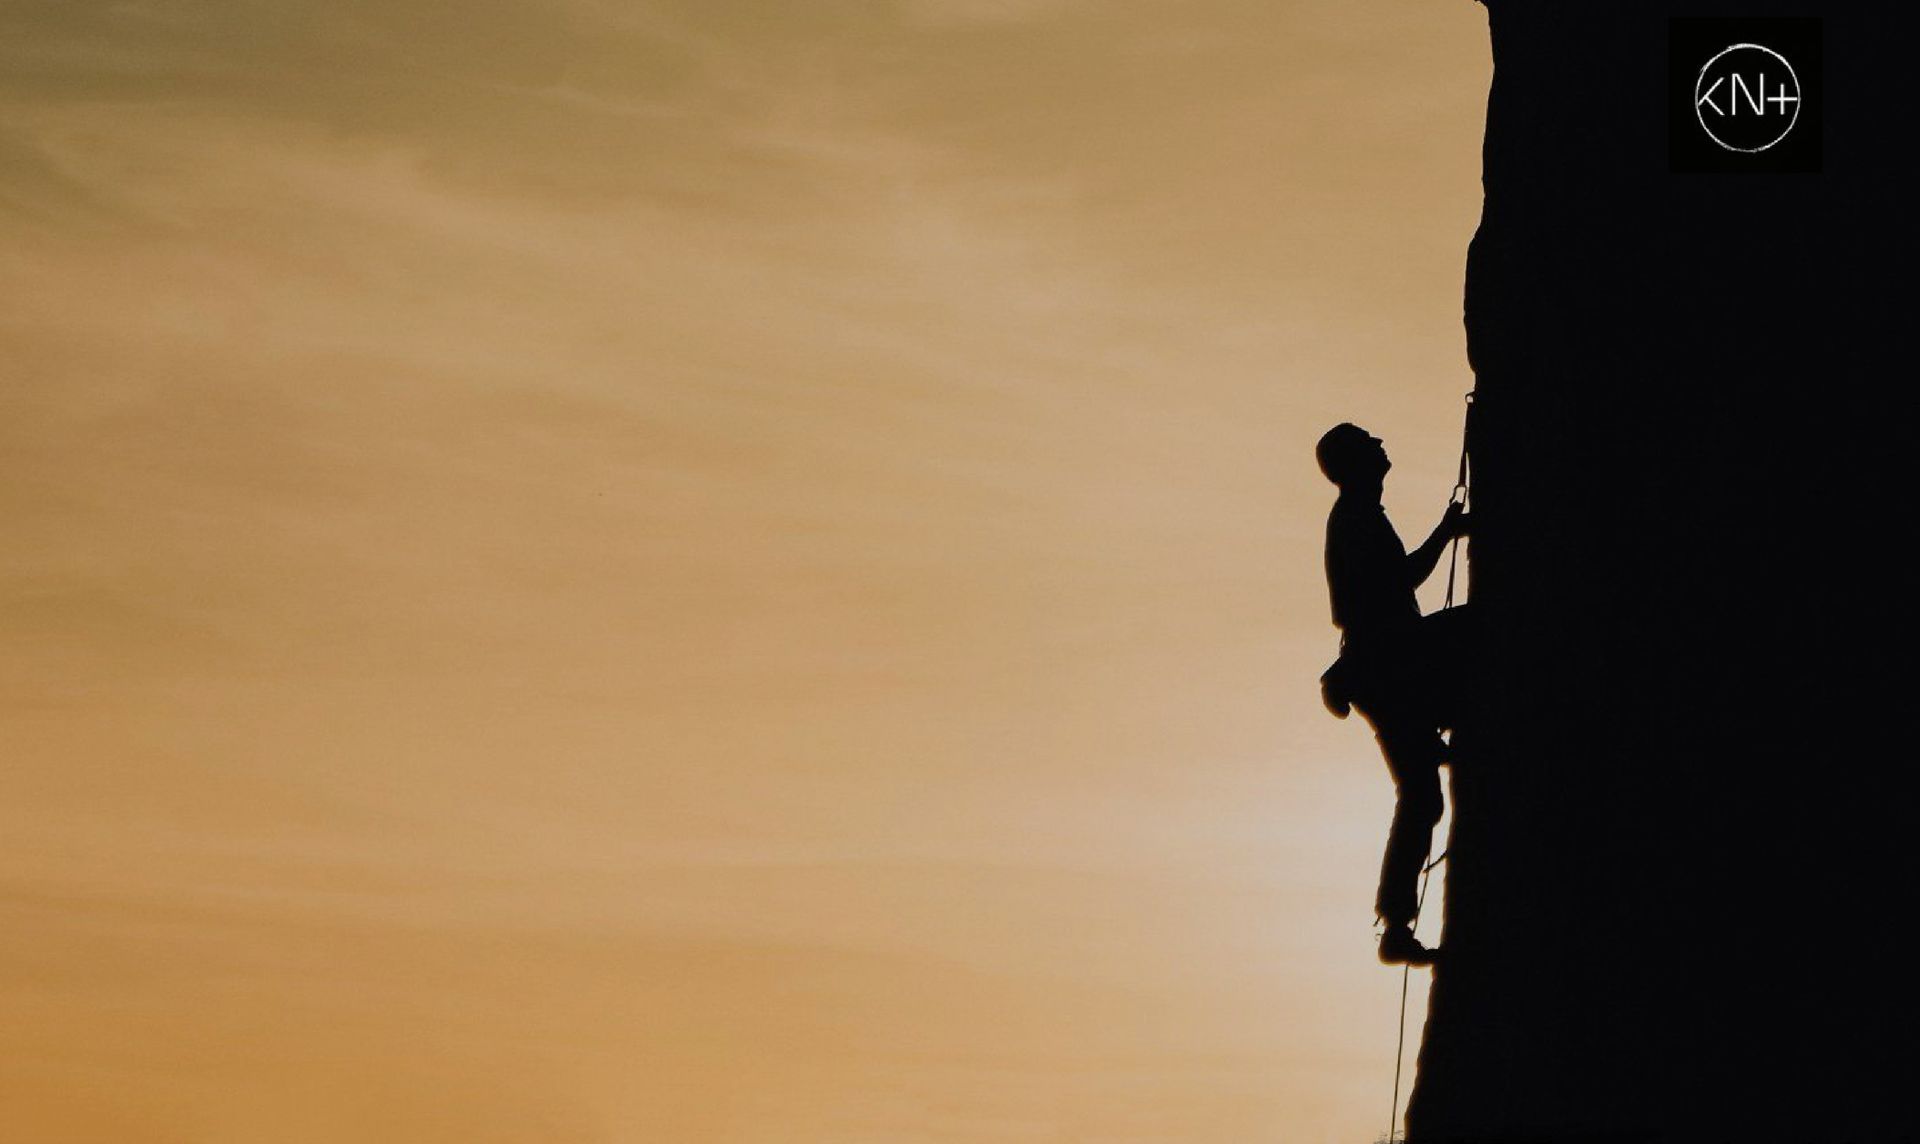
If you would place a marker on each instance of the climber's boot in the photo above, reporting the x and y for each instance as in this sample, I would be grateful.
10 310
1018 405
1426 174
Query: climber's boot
1398 946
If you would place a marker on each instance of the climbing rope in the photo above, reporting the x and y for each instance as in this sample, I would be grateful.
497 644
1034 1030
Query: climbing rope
1406 972
1461 493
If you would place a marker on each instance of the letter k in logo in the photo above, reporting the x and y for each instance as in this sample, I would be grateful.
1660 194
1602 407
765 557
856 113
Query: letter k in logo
1706 97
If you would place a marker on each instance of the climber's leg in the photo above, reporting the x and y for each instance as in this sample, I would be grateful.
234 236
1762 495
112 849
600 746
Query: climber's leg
1413 756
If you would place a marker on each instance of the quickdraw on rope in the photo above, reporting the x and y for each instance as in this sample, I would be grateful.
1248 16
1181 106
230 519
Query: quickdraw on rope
1461 492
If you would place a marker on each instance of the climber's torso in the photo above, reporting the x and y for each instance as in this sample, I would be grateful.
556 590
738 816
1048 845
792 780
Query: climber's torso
1373 599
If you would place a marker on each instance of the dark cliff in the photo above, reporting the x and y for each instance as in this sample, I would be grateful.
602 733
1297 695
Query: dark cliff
1684 796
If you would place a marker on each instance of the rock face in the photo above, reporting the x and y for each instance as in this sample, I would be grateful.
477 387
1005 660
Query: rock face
1684 796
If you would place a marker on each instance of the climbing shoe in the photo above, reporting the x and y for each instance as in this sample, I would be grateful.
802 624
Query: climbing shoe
1398 946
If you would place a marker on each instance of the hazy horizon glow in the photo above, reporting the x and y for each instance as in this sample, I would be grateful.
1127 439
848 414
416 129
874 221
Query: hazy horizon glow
594 571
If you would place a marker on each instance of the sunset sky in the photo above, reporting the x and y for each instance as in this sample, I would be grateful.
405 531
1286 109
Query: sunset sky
705 570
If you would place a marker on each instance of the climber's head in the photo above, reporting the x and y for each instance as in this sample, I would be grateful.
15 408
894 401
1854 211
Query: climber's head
1351 457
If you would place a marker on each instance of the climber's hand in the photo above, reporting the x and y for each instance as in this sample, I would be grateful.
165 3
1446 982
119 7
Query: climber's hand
1456 522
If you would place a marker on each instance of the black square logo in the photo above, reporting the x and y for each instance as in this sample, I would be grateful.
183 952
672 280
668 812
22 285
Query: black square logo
1743 95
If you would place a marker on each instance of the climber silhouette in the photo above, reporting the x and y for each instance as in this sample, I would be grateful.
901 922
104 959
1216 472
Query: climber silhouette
1391 664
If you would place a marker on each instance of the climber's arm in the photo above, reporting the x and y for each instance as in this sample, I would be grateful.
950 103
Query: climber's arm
1423 560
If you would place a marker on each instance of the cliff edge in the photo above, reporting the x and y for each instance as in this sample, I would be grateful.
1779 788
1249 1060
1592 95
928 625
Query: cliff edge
1681 856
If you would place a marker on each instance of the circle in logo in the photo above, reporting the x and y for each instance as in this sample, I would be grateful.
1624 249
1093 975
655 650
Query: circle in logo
1747 98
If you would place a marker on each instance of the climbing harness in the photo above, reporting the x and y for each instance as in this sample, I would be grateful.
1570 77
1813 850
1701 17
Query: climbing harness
1461 493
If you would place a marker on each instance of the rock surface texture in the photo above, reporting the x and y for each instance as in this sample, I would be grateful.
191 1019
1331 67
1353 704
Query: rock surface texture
1682 853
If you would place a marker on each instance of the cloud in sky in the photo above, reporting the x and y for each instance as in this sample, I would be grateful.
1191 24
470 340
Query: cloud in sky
765 547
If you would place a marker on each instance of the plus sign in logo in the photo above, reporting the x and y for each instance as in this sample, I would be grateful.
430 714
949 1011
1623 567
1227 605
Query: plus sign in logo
1745 95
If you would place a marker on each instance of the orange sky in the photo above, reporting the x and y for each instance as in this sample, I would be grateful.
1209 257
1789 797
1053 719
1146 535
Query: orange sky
704 571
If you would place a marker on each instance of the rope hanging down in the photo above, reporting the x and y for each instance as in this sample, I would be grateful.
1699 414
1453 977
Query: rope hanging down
1406 972
1462 491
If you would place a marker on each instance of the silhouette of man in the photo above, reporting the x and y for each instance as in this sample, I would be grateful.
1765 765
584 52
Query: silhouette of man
1390 664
